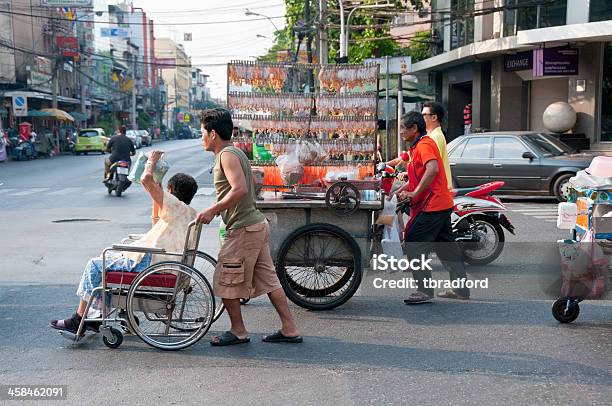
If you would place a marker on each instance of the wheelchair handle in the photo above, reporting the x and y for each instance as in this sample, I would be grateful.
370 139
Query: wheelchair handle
131 248
192 225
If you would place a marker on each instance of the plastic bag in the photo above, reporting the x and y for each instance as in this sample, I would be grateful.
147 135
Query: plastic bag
310 152
291 171
391 244
388 216
160 170
584 269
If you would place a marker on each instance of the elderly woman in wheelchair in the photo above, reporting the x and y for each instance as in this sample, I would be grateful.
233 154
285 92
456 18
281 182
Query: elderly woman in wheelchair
167 258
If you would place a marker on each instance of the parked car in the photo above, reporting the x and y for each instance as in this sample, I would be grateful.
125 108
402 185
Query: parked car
135 137
145 138
90 140
529 163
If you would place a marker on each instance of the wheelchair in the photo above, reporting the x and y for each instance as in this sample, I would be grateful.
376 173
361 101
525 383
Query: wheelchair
170 305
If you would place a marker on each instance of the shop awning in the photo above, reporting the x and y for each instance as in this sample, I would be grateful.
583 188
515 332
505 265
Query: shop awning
59 114
45 96
36 113
79 116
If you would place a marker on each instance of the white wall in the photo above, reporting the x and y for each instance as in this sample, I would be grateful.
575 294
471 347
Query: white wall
578 11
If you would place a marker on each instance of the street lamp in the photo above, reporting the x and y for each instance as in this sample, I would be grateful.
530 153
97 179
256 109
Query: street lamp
348 22
345 28
250 13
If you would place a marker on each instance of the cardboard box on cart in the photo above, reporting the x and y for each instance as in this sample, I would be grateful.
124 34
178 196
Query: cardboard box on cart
593 216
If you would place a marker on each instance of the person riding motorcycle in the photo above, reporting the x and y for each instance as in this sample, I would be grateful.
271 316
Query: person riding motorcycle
121 148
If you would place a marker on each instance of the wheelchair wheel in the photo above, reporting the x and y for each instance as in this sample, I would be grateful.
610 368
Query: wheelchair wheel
206 265
114 340
176 303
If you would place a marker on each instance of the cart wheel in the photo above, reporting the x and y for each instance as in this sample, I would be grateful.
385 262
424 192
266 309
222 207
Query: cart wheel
343 198
176 303
115 340
565 313
319 266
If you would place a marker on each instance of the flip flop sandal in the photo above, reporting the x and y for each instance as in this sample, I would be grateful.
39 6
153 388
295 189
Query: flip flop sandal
418 298
279 337
228 338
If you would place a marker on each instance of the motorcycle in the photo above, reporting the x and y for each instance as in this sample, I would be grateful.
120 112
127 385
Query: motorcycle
477 218
22 150
117 179
478 222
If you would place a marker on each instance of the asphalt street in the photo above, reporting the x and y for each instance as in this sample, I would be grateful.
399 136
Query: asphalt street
501 347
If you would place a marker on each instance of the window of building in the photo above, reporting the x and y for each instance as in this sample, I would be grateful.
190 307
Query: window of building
600 10
462 23
606 96
524 15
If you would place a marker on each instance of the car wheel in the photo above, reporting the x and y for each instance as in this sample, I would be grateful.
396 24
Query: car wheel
559 185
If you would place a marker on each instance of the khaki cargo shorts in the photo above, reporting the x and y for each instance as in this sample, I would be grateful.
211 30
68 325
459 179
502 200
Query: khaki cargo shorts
245 267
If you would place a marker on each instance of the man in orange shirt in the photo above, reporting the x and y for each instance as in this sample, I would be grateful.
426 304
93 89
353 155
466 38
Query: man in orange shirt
431 205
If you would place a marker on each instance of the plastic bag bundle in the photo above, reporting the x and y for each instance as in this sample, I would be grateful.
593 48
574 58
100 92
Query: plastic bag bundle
291 170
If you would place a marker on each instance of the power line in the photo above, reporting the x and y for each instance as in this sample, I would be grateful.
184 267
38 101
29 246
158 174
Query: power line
137 23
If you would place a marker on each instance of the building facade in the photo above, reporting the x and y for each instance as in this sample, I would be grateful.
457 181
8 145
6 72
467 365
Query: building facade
512 58
200 93
175 67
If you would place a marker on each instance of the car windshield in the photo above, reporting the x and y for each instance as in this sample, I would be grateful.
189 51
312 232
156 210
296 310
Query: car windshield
548 145
88 134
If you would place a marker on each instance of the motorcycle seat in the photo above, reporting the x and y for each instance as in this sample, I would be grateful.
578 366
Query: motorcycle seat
464 191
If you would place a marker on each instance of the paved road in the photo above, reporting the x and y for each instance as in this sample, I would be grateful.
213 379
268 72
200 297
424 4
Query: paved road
495 349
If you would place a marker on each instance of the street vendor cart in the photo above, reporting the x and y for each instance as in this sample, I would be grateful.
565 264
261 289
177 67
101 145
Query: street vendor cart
586 258
313 143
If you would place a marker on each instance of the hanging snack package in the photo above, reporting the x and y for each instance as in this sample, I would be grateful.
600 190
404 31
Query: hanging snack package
291 170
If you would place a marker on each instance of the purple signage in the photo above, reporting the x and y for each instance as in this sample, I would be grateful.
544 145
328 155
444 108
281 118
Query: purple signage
519 61
555 62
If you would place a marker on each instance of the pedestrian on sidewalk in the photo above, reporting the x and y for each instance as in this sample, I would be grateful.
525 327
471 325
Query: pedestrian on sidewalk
433 114
431 206
467 118
245 268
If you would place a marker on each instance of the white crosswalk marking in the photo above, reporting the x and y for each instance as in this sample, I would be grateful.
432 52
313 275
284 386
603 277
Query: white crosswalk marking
206 191
547 213
29 191
64 191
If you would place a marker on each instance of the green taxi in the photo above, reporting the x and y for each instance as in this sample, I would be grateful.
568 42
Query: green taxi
90 140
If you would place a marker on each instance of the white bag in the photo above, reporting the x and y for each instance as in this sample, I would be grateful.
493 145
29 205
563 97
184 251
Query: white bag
388 216
391 243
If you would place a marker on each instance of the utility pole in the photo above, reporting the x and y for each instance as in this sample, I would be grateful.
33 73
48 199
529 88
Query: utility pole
323 45
82 73
307 26
388 151
400 112
134 91
55 84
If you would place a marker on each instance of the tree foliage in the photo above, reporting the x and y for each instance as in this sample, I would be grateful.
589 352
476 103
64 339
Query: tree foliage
370 42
